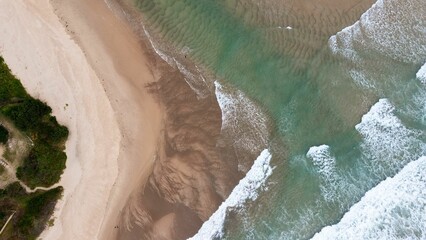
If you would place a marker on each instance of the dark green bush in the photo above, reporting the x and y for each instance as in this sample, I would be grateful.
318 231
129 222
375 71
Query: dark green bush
28 114
32 211
37 209
4 134
43 166
13 190
46 161
10 87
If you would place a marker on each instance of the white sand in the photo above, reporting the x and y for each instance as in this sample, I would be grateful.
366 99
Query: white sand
53 68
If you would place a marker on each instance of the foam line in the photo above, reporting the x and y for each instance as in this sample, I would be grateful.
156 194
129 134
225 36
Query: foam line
421 74
394 209
245 190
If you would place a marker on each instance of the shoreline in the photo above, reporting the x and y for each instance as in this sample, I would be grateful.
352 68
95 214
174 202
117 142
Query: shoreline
125 135
186 142
198 164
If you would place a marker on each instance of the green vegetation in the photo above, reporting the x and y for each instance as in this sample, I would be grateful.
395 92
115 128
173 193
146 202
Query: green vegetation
4 134
32 211
42 167
46 161
11 89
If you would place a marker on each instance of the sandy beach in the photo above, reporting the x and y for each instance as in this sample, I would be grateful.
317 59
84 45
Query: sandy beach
93 91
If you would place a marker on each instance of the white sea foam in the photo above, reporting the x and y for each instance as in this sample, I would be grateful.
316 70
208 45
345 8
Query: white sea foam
388 31
245 190
397 30
157 50
325 164
387 143
190 78
417 108
361 78
394 209
421 74
334 186
234 103
242 120
227 105
193 80
322 159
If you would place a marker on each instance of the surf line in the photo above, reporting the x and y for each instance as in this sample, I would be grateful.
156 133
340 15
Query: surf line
245 190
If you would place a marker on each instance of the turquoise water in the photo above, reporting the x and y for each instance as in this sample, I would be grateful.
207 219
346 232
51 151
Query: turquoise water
245 56
348 111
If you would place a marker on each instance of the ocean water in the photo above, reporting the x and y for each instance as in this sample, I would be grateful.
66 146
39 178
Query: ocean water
344 86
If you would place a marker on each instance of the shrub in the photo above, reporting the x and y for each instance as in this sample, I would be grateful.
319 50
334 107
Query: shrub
46 161
28 114
38 207
43 166
10 87
32 210
4 134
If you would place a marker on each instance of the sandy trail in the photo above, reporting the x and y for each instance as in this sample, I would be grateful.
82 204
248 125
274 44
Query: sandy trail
98 93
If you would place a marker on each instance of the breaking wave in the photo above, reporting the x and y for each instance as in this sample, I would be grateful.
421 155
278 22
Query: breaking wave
242 121
387 143
245 190
381 28
421 74
394 209
325 163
